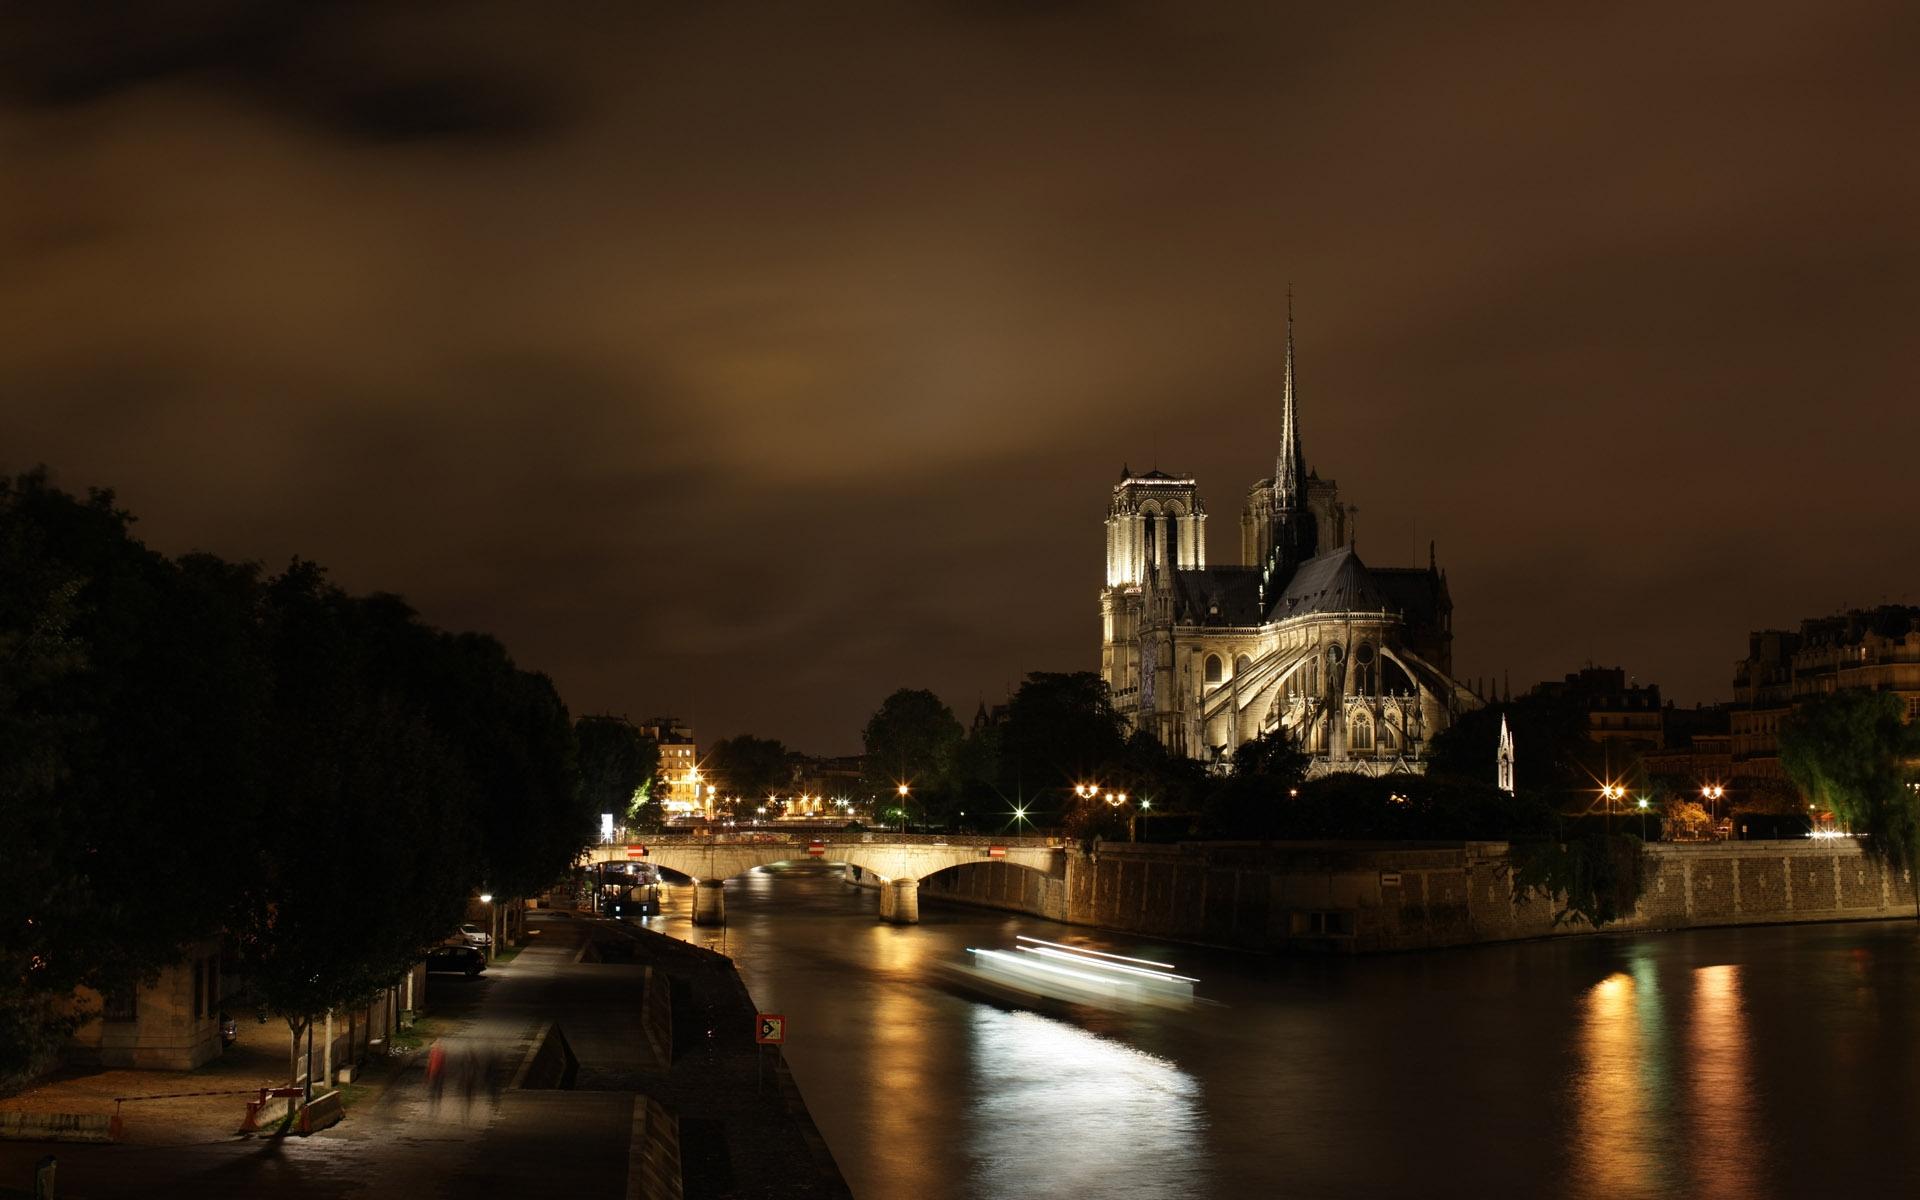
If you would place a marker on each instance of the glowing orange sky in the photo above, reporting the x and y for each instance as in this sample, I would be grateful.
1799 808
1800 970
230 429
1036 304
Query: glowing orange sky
750 363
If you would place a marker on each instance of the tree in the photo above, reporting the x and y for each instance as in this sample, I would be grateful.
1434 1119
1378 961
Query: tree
617 767
1555 756
914 739
1061 730
1268 772
129 700
377 838
751 766
1852 753
323 778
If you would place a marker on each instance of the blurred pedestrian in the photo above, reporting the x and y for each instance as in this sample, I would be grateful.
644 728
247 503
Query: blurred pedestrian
436 1071
469 1079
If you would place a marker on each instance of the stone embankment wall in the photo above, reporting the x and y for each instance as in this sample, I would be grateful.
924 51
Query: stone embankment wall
1359 897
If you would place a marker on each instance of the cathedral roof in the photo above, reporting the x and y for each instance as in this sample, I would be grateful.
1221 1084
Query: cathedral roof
1419 592
1334 582
1217 596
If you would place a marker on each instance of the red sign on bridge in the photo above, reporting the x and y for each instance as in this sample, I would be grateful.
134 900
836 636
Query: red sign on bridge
817 849
636 851
996 851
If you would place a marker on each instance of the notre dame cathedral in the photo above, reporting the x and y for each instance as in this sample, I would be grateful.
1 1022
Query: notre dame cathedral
1355 661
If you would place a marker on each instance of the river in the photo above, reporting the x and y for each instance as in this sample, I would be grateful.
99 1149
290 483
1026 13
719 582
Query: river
1763 1062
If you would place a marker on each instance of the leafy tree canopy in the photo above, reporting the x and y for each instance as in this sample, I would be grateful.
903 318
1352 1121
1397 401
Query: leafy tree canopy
1061 730
1852 753
1555 756
913 738
617 763
323 778
750 766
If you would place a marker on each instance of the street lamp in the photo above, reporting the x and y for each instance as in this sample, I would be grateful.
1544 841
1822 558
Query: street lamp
903 789
486 898
1711 793
1643 818
1612 792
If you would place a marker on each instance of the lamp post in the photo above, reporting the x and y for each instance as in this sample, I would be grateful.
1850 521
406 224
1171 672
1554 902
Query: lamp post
1612 792
903 789
486 898
1712 793
1643 818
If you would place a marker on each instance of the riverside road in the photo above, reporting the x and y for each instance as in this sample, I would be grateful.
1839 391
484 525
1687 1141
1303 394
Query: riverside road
1737 1063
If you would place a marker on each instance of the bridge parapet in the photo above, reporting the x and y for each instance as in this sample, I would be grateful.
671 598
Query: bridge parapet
890 859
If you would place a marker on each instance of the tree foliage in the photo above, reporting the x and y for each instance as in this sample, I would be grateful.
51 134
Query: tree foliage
1853 754
1555 756
914 739
618 764
187 749
1061 730
751 766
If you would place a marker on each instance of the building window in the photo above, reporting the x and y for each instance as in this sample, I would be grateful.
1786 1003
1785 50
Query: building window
1362 736
1213 669
1241 666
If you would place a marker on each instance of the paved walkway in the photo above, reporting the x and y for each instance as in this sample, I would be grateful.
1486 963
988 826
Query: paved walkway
403 1142
479 1137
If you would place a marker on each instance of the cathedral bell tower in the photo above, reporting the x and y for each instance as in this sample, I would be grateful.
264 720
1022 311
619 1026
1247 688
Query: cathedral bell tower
1156 525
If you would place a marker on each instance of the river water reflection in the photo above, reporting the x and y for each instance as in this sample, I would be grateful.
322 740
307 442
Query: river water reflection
1768 1062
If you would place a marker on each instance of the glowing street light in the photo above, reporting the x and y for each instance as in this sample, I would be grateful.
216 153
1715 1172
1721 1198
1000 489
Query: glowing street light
1612 792
1712 793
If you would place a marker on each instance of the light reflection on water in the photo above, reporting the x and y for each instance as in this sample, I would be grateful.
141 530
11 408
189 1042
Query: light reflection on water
1115 1121
1613 1093
1722 1110
1707 1064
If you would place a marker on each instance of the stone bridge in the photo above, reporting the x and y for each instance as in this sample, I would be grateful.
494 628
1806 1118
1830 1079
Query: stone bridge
899 861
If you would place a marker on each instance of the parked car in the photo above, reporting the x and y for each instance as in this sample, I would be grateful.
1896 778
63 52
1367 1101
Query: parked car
456 960
473 935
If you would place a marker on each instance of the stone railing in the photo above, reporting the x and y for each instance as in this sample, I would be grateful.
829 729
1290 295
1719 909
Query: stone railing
841 837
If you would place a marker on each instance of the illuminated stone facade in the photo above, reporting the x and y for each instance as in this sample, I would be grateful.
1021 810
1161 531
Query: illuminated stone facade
1355 660
1877 649
678 784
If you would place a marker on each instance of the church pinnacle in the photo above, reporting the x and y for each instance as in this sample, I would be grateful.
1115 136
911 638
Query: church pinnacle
1289 471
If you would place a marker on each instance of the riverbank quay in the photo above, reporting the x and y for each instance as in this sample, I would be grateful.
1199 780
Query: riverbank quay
551 1086
744 1128
1349 897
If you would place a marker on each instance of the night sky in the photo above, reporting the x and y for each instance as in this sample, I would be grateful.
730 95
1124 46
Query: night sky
748 362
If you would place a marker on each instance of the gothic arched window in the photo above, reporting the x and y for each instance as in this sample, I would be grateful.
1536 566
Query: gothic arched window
1213 670
1241 666
1365 670
1361 735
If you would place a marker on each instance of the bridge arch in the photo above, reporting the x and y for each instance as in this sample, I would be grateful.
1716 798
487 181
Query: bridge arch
899 862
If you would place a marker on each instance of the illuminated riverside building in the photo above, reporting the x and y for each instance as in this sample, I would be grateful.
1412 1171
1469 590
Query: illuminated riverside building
1877 649
678 784
1355 660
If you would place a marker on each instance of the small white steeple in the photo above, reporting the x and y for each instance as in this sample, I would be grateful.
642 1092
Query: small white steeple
1504 759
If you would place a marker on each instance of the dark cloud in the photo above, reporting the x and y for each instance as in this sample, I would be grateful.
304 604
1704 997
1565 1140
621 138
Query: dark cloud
380 72
750 361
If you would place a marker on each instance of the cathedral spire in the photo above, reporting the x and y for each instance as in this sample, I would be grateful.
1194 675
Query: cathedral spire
1289 471
1503 758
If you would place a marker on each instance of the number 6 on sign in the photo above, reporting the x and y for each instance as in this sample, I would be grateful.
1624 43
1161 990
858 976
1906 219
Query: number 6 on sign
770 1028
